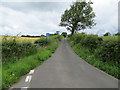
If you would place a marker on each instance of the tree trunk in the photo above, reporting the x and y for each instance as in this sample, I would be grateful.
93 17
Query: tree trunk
72 32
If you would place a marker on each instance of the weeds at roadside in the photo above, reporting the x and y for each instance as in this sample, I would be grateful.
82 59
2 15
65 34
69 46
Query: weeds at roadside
104 55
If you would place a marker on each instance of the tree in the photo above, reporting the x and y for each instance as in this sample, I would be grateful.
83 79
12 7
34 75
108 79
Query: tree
79 16
107 34
64 34
117 34
42 35
57 32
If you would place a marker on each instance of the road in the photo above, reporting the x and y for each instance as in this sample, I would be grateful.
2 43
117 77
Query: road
67 70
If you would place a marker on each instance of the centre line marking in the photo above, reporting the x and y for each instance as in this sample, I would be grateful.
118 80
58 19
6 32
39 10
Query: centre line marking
31 71
24 87
28 78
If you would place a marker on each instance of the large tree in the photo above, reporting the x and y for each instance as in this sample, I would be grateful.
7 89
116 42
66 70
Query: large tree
80 16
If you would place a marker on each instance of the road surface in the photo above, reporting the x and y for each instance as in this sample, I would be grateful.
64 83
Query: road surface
66 70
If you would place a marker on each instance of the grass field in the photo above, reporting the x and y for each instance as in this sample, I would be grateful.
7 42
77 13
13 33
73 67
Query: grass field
110 37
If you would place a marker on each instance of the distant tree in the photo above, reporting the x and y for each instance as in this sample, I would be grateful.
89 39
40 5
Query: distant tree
42 35
28 36
52 34
79 16
57 32
107 34
64 34
22 35
117 34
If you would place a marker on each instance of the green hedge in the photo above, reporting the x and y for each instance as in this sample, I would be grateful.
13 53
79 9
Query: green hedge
109 51
98 51
13 50
89 41
11 72
43 41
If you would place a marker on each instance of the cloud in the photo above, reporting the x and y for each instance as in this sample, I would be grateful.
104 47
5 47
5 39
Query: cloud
106 16
34 22
36 18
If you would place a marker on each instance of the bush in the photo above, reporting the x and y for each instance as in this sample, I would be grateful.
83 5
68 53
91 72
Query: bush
91 41
13 50
106 50
109 51
13 71
101 52
58 37
77 38
43 41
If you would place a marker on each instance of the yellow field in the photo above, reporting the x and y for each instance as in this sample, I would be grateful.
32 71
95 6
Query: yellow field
19 39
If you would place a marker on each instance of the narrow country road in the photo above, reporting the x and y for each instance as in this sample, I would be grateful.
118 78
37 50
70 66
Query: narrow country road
67 70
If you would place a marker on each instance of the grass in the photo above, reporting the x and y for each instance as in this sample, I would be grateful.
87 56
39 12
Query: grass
91 58
12 71
105 56
110 38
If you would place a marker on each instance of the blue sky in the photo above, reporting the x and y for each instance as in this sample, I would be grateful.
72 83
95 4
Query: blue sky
36 18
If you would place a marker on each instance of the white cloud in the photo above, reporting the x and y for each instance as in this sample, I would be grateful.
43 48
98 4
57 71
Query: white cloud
37 19
34 22
106 16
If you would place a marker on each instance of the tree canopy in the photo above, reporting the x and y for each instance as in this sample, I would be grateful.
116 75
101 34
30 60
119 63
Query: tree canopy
107 34
79 17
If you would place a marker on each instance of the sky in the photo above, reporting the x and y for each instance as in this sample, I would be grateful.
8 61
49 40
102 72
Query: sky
36 17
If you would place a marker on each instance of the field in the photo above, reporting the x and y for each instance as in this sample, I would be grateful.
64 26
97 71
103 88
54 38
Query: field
20 39
110 38
25 52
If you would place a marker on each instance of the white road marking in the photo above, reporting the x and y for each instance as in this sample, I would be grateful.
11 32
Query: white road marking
24 87
31 71
28 78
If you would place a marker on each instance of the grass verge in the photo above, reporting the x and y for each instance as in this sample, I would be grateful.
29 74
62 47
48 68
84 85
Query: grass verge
12 72
94 60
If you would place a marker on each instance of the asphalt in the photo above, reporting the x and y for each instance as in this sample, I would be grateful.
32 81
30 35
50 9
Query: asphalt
65 69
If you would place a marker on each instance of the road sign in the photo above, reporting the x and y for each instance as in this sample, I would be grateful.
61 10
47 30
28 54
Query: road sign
47 34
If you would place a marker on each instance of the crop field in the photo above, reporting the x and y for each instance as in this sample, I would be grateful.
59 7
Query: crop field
20 39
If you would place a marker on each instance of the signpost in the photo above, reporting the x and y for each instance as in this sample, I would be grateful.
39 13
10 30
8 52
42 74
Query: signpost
47 35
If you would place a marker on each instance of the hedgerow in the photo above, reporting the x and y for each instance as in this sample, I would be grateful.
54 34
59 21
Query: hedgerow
13 70
13 50
98 51
109 51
